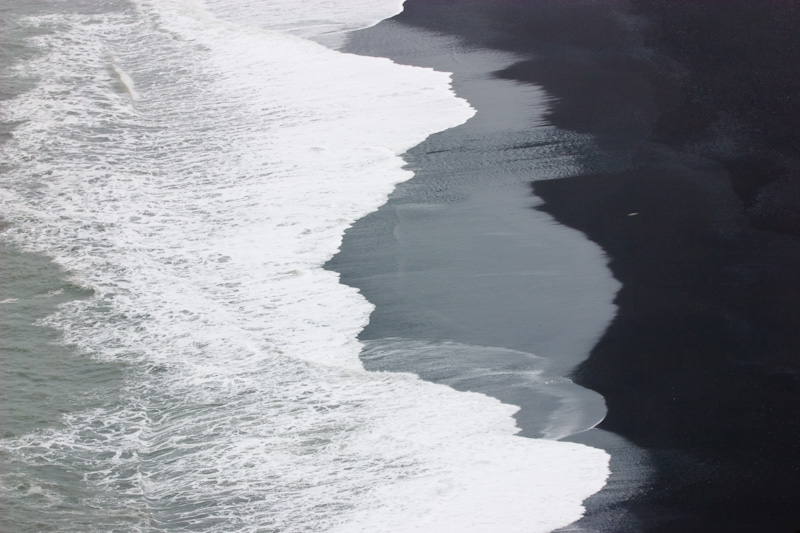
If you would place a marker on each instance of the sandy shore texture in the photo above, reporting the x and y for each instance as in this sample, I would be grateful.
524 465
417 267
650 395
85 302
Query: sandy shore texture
691 184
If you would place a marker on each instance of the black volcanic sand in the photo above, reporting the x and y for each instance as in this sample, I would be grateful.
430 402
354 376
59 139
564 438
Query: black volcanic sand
694 193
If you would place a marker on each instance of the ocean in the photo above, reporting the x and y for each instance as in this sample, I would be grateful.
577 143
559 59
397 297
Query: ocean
174 176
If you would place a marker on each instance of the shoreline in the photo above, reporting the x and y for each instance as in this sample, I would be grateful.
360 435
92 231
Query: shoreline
453 259
690 187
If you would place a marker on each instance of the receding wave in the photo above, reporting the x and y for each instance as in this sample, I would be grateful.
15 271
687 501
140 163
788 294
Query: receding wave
201 217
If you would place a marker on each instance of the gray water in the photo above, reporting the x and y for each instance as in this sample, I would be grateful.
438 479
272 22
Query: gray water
42 379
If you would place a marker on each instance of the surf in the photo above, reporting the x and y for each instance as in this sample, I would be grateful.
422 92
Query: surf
197 204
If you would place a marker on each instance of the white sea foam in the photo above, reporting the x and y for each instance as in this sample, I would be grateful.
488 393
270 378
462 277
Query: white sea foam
323 20
200 215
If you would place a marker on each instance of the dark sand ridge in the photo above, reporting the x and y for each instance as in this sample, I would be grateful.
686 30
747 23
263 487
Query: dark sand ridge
694 110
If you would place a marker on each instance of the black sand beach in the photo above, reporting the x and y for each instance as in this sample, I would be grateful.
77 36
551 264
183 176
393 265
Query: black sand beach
691 186
702 364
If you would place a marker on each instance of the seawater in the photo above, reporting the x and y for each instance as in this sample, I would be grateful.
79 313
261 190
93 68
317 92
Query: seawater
175 174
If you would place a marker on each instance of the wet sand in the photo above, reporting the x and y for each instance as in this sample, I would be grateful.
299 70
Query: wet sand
452 261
